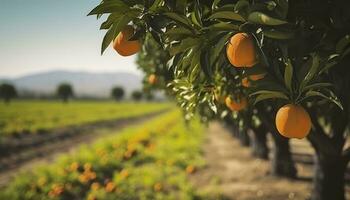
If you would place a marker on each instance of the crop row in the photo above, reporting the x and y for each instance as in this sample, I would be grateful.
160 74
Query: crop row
39 116
150 161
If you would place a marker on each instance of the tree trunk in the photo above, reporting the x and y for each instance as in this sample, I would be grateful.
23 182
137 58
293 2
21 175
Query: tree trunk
7 101
259 143
328 182
282 162
244 137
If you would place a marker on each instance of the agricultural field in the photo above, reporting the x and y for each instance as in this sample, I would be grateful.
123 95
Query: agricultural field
150 161
37 116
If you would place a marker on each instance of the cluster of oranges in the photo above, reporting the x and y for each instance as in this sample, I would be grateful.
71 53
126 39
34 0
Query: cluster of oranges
292 120
56 190
88 174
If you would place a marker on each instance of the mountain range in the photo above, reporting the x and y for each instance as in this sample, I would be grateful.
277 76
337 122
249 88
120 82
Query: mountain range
84 83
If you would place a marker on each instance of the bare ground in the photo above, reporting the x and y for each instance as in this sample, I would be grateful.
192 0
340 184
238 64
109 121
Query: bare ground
234 173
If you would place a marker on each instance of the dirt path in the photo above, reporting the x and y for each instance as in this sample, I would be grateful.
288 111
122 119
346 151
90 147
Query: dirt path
233 172
48 151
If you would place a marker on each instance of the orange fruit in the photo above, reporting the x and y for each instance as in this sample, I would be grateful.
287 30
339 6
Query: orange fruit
122 44
190 169
152 79
292 121
234 105
255 77
241 50
157 187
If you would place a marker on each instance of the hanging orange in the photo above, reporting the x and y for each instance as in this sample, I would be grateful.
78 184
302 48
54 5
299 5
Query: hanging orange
234 105
152 79
292 121
241 50
122 44
246 80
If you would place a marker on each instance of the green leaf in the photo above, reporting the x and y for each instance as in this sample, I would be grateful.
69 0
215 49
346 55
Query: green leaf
184 45
241 6
223 26
288 75
114 31
261 18
178 18
270 92
262 97
178 31
110 20
279 35
342 44
312 71
205 65
110 7
215 53
215 3
195 19
317 85
331 97
227 15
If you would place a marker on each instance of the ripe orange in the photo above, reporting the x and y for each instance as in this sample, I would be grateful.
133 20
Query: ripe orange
152 79
241 50
190 169
122 44
255 77
292 121
234 105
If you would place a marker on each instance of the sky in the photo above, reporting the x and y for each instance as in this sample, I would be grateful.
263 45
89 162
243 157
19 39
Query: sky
44 35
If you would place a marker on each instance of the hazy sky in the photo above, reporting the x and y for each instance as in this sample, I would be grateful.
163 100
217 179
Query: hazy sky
43 35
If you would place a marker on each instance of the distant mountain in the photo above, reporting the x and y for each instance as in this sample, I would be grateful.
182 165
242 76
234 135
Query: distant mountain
84 83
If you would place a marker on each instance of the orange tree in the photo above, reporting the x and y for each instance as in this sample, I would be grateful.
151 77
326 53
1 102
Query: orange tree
285 63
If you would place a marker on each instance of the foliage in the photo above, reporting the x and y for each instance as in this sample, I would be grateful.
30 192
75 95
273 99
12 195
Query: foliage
303 47
35 116
136 95
117 93
144 162
65 91
7 92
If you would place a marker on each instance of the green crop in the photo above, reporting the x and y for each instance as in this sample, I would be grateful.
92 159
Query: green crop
150 161
35 116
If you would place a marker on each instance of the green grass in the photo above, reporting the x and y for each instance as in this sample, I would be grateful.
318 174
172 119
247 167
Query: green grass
150 161
33 116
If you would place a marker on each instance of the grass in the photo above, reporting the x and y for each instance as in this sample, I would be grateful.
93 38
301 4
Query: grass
149 161
34 116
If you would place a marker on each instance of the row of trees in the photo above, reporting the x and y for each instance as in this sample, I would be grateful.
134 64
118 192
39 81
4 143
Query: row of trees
65 91
274 67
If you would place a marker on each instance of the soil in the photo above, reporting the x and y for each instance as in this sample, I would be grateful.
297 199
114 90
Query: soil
233 172
59 141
